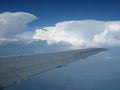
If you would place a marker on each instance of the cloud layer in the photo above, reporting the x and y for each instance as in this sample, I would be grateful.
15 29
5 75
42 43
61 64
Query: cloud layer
81 33
76 33
14 24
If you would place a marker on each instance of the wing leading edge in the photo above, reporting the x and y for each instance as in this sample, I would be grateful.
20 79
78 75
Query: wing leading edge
19 68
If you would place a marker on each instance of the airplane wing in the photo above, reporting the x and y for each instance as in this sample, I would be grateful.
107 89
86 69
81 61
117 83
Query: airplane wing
16 69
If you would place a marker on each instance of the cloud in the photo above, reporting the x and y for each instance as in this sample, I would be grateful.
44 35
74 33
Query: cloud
81 33
110 35
76 33
14 24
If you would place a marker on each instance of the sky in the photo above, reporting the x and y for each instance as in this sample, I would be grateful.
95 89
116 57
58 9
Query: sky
42 26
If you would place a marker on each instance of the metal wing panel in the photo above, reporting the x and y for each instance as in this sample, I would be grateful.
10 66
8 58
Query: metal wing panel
19 68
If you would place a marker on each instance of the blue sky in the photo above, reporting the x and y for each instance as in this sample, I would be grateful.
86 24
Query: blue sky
41 26
50 12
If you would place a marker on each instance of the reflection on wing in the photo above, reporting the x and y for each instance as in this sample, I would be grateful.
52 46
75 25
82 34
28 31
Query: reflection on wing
19 68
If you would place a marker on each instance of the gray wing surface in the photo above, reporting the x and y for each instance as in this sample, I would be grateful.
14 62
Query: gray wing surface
19 68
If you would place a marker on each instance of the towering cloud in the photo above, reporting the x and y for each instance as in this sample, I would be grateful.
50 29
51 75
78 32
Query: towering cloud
13 24
81 33
76 33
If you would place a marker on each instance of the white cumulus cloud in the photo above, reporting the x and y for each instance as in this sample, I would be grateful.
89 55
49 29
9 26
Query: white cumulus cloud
75 33
81 33
13 24
110 35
